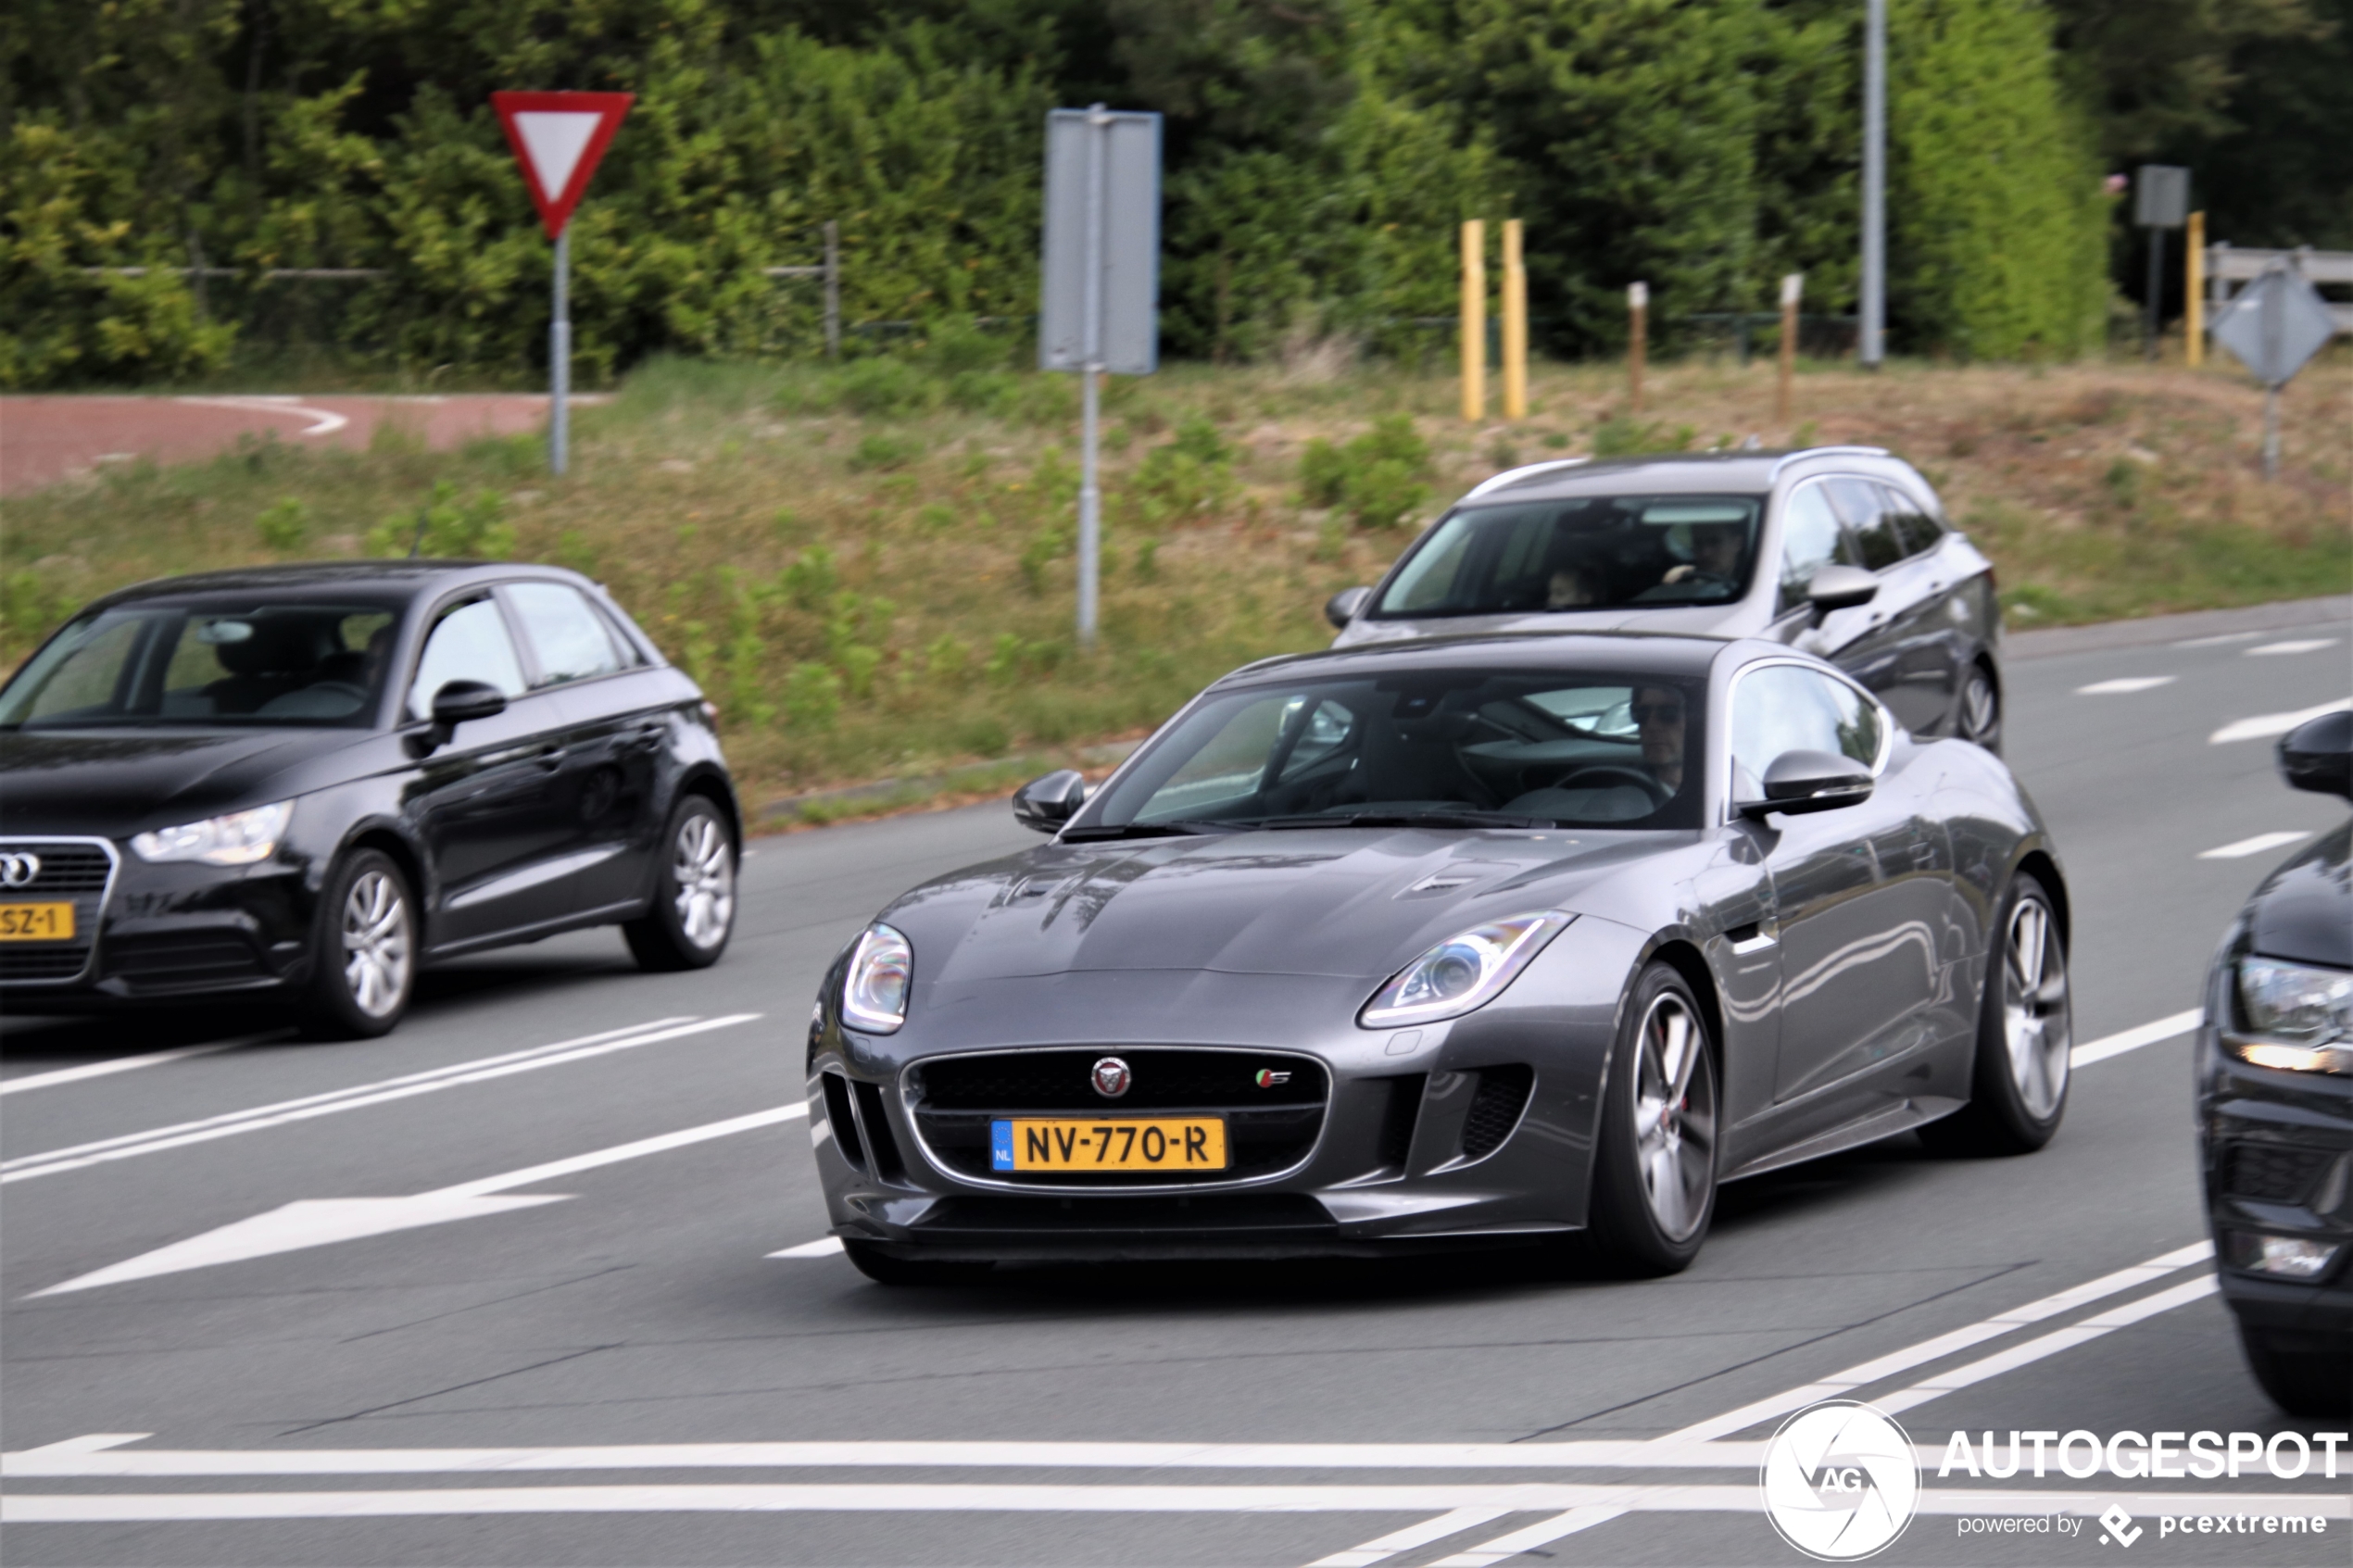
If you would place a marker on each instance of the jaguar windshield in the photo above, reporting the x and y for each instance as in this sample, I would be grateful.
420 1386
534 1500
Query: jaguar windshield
212 663
1449 748
1585 552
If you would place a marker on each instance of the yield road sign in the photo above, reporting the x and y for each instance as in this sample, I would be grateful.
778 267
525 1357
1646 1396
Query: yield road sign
560 138
2276 323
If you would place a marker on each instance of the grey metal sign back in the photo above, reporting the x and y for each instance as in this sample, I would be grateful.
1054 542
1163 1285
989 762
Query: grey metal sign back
1099 293
2276 323
2161 196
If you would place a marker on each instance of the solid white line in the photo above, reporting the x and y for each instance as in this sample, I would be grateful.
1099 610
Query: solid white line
1539 1534
2047 1345
115 1064
158 1139
324 421
824 1246
2218 641
2265 725
2120 687
2306 644
2245 846
2134 1039
955 1497
1839 1384
531 1175
1411 1535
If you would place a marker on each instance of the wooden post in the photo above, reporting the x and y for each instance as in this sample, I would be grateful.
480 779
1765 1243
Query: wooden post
1638 310
1473 320
1793 288
2193 294
1515 325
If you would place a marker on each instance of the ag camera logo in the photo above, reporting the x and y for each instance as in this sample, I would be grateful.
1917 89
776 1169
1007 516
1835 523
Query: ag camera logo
1840 1481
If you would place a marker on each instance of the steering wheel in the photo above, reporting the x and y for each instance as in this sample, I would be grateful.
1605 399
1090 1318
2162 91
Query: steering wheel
1600 775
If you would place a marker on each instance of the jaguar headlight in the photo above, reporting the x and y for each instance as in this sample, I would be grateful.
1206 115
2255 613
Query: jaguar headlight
2302 1016
238 839
874 999
1463 973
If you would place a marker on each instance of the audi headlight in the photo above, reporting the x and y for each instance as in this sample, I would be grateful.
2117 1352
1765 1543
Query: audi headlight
2304 1015
874 997
238 839
1463 973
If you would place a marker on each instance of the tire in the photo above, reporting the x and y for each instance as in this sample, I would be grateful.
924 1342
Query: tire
882 1268
364 954
1655 1165
1977 717
2300 1378
2019 1079
694 907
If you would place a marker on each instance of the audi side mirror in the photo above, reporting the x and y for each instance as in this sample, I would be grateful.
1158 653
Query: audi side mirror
1810 780
1341 607
458 701
1044 805
2318 754
1840 587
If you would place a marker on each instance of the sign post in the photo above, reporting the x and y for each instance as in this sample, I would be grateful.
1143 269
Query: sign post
1793 290
2276 323
1098 310
2161 201
558 138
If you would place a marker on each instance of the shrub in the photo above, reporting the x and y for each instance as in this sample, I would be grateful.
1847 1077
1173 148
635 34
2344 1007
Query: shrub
444 525
1618 437
885 388
880 452
1377 478
813 696
1189 477
285 526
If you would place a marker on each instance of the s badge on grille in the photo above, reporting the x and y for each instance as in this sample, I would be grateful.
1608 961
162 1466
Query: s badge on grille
1267 1078
1111 1077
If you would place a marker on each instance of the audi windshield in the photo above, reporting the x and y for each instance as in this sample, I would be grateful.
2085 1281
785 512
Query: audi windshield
1584 552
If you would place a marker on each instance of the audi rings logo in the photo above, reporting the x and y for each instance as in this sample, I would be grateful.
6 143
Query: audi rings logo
1840 1481
1111 1077
17 870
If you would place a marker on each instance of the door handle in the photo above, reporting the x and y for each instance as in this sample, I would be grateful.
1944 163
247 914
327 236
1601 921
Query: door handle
552 760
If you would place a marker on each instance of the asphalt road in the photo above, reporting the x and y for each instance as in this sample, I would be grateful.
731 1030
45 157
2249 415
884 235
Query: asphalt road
653 1383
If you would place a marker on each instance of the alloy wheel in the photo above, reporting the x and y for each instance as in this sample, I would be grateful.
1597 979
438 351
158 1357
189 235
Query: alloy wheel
1674 1117
2034 1011
702 868
1980 708
377 942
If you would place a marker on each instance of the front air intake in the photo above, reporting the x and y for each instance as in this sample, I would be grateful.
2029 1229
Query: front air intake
1496 1105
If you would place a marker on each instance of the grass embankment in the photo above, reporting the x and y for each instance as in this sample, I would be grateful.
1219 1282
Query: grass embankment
871 569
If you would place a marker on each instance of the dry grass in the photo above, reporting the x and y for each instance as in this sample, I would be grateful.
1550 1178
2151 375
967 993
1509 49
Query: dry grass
870 596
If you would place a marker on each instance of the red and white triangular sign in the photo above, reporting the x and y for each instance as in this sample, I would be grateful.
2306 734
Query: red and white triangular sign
560 138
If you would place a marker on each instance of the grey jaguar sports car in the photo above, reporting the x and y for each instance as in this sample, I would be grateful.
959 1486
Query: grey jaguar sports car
1454 942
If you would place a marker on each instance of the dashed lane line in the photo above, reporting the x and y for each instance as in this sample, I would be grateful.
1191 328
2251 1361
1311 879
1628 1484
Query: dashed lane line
2047 1345
2134 1039
1428 1532
1543 1533
2125 685
2301 645
116 1064
2265 725
2240 849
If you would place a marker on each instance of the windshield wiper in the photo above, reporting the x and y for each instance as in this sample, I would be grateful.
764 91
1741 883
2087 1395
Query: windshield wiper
1143 830
1464 819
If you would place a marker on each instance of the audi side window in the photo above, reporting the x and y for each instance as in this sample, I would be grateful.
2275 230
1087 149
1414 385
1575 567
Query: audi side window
1875 541
467 644
1811 540
1785 707
567 634
1917 529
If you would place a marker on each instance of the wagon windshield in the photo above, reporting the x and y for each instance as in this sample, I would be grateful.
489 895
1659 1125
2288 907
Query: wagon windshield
1585 552
1468 749
227 663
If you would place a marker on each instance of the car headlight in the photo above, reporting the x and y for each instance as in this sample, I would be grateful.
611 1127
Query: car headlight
2304 1015
238 839
874 997
1463 973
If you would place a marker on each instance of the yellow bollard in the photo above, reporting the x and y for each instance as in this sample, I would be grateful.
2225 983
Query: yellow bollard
1515 325
2193 294
1473 320
1638 310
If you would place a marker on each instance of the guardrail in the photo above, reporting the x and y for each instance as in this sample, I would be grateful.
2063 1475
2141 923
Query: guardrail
2229 267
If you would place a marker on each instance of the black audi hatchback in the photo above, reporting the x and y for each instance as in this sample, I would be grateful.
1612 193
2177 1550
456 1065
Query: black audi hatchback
301 783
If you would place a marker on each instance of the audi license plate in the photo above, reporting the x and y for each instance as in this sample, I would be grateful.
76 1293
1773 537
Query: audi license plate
36 923
1126 1142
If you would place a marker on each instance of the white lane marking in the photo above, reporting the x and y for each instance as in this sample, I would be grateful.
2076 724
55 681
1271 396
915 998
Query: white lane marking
2245 846
229 1125
2265 725
115 1064
2127 683
2134 1039
1534 1535
324 421
2047 1345
321 1221
86 1508
2218 641
1840 1383
1384 1546
2305 645
824 1246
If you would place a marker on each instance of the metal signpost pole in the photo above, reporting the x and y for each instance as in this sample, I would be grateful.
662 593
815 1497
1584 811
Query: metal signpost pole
2274 307
1870 346
559 359
1090 496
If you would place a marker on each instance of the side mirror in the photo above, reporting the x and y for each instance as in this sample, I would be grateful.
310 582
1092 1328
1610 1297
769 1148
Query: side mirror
1840 587
1044 805
1810 780
2318 754
458 701
1341 607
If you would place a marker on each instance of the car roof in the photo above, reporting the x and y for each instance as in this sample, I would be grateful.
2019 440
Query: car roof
397 578
1664 653
1741 473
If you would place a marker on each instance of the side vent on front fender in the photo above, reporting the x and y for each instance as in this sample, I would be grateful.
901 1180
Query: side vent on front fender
1496 1106
843 1120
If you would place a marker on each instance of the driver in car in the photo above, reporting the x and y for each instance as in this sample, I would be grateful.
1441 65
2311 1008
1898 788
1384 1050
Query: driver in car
1658 720
1715 553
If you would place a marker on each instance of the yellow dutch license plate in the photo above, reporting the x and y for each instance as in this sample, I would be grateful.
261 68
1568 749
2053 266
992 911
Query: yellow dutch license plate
1110 1143
36 923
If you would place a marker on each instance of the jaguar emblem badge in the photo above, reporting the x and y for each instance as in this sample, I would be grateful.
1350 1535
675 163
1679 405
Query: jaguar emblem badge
1268 1078
1111 1077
